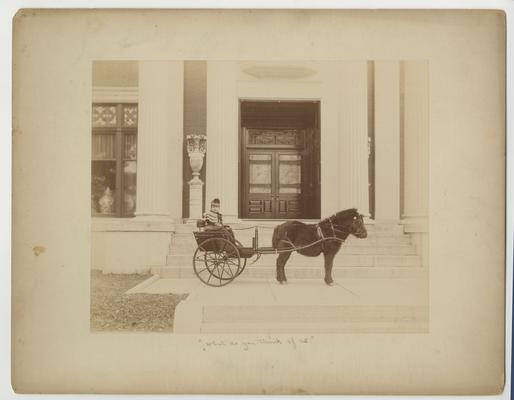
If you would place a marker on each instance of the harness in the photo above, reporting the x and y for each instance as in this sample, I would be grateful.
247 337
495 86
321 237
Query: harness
322 236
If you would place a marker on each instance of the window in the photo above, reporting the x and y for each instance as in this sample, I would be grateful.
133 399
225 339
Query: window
114 160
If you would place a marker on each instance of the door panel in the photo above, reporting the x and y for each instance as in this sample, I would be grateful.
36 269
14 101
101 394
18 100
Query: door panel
288 193
259 184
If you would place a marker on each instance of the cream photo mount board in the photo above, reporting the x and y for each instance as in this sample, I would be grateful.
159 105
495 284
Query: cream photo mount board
53 349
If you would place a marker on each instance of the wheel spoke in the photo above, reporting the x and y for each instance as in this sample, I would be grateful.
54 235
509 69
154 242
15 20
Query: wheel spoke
235 266
210 259
222 266
203 269
212 265
231 273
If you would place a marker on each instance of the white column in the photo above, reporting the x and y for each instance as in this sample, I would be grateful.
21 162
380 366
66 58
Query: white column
159 163
330 155
222 158
415 128
387 141
353 141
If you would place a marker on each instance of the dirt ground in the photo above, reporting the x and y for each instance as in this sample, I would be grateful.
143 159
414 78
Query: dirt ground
112 310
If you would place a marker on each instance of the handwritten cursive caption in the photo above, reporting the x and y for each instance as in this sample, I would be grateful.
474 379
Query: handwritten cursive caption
246 345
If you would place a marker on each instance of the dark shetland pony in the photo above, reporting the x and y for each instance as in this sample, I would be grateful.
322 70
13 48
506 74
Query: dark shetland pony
298 234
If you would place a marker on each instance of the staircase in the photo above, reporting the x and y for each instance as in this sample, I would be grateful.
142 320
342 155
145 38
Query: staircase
387 252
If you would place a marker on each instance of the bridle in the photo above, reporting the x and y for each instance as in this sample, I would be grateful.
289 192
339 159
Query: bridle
334 229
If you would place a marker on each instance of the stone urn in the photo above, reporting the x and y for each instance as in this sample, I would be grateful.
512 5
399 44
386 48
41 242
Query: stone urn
196 148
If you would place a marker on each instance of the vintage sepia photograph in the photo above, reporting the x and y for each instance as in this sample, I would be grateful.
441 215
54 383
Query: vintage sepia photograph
260 196
259 201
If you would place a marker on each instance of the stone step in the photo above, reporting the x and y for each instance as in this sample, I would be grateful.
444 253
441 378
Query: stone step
296 260
397 249
301 306
269 233
415 326
187 245
268 272
270 224
245 313
307 319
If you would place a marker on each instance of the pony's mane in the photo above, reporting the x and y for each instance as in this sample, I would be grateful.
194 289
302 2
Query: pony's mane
347 214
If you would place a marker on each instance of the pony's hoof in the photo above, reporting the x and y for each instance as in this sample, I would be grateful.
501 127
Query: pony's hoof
282 282
329 283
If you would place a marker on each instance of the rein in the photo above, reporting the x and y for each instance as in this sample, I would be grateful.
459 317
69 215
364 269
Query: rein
296 248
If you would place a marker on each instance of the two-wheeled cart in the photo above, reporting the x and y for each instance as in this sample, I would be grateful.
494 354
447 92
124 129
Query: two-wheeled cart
220 258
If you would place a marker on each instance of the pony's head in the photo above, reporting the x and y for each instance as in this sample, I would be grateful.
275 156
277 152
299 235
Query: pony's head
353 221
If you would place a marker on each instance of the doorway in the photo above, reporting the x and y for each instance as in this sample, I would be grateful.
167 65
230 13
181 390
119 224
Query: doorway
280 160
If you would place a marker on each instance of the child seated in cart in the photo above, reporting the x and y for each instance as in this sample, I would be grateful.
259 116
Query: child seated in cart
214 220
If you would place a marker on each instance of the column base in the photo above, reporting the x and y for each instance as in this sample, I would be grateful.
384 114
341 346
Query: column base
142 223
152 217
415 223
387 221
157 218
369 221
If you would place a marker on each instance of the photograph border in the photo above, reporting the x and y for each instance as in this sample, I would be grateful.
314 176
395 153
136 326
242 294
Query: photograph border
502 5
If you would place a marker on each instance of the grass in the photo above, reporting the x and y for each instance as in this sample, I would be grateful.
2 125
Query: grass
113 310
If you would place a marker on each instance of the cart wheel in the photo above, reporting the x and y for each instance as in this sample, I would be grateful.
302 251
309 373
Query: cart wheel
243 260
242 267
216 262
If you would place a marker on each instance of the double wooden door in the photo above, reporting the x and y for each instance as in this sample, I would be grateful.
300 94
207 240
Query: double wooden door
273 183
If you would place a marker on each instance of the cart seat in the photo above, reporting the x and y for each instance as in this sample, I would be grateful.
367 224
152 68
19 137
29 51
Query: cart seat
203 236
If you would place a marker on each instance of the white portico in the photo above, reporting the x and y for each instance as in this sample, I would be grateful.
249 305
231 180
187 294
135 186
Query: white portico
304 138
